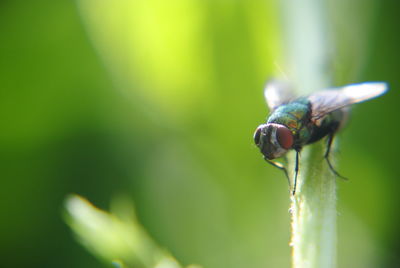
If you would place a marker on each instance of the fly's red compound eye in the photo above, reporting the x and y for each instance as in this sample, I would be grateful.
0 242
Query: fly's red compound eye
284 137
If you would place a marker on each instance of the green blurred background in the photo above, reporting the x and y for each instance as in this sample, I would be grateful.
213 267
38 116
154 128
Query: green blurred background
158 100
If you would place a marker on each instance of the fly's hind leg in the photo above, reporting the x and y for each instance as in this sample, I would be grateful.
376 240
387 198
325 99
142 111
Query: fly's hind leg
328 150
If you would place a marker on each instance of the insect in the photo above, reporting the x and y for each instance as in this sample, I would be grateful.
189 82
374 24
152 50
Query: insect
295 122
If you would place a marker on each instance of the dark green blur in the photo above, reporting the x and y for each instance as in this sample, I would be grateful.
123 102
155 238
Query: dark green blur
167 119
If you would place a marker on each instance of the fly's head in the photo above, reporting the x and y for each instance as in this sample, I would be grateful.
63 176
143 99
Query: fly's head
273 140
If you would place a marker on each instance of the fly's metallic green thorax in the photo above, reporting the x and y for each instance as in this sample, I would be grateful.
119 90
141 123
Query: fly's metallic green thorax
296 122
295 116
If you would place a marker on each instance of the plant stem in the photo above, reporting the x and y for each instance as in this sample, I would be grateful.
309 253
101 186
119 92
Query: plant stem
313 210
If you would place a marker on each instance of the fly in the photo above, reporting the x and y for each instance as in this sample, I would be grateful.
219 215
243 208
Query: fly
295 122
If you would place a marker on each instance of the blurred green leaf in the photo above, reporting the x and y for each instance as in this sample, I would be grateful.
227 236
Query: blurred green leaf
118 241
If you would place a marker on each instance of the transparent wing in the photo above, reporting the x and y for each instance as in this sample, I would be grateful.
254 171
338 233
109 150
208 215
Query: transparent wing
326 101
277 92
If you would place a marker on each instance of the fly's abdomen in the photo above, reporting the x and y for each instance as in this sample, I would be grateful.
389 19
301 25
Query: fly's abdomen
329 124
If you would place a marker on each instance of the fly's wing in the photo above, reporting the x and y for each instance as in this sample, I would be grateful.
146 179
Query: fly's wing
277 92
326 101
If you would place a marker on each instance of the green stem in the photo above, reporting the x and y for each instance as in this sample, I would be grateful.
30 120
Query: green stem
313 210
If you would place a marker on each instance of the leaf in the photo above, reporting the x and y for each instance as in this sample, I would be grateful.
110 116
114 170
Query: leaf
121 241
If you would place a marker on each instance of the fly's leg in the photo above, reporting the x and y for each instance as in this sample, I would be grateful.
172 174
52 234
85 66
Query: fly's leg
281 167
328 150
296 171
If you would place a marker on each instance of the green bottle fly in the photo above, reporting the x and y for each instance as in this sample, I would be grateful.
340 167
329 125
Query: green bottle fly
296 122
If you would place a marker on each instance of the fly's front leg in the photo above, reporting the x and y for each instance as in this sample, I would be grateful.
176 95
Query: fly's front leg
296 172
328 150
281 167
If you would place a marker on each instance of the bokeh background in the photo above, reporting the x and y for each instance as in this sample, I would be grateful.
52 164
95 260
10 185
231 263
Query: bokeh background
157 101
